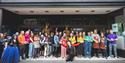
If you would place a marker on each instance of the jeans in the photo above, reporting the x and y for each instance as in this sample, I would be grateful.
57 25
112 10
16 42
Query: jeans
87 49
31 50
46 50
114 47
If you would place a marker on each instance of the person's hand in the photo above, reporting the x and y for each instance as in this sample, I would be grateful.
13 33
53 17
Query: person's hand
60 42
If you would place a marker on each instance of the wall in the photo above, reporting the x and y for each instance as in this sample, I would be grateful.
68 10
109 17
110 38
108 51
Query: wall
10 21
0 18
87 22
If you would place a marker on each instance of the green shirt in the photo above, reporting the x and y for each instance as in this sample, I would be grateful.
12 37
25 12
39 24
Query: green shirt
88 39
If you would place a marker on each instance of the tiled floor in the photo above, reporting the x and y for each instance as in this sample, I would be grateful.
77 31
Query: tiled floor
76 60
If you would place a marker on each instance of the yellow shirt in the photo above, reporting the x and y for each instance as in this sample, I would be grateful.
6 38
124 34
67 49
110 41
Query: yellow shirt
80 39
72 39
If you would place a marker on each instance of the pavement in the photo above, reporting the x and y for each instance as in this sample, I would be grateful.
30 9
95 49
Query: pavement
76 60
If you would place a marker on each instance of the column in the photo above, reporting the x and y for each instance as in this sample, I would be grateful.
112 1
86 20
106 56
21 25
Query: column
0 19
124 19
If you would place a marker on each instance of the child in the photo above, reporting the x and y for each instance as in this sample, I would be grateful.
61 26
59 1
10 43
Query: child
70 51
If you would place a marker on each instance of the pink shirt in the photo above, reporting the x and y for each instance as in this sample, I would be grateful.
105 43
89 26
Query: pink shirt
27 38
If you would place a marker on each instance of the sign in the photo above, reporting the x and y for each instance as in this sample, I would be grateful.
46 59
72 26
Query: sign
115 27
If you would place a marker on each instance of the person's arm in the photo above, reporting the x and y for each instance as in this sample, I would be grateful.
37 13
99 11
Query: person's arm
31 39
91 39
55 39
99 38
108 38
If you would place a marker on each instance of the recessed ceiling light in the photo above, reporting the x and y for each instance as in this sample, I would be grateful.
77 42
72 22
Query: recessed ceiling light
32 11
108 11
46 11
92 10
77 11
62 11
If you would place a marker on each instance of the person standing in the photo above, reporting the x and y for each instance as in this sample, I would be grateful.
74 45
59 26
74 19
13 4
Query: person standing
42 44
112 38
1 43
27 39
63 43
22 42
31 46
88 45
70 52
80 39
103 45
46 46
72 39
56 44
36 44
96 39
51 44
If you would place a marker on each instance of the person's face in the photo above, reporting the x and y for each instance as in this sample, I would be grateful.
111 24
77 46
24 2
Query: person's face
66 28
102 34
57 33
42 35
111 31
83 33
22 32
80 33
64 35
52 34
89 33
17 33
46 34
95 31
60 33
27 32
46 26
71 34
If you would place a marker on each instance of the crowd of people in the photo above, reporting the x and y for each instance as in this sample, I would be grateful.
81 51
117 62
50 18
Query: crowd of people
65 44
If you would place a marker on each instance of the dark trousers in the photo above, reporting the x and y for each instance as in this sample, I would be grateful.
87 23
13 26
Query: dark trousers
70 57
104 52
22 51
1 50
80 49
96 52
56 50
36 52
27 50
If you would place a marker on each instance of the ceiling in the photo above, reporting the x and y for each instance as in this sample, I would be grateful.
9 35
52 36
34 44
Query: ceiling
58 10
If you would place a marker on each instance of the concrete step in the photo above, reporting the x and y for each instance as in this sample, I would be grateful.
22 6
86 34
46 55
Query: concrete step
76 60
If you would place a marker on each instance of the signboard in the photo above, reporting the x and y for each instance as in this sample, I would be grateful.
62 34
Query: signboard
115 27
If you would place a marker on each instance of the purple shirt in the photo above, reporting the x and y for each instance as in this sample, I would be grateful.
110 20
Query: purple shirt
112 36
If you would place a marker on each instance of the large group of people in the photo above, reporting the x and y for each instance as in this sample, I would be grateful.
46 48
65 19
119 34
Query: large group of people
65 44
